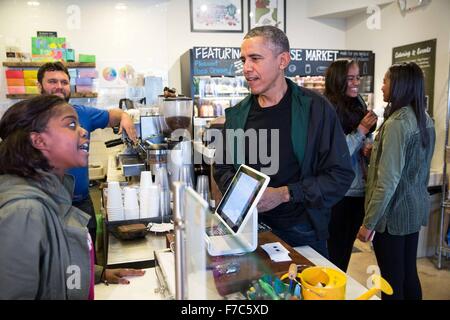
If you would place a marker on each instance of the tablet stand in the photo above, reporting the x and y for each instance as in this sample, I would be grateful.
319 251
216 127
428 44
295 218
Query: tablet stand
242 242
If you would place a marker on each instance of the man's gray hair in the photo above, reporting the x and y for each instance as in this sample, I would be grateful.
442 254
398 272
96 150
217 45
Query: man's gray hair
274 36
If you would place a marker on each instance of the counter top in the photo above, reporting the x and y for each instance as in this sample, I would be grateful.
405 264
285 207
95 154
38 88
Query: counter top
123 251
143 288
353 290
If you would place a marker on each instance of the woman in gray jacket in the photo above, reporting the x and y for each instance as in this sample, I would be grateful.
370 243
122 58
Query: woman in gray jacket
46 251
397 200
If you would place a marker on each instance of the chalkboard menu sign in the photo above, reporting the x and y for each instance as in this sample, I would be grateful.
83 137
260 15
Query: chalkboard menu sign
424 54
314 62
225 61
216 61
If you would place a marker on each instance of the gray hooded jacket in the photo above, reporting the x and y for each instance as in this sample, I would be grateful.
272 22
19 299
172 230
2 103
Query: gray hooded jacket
44 250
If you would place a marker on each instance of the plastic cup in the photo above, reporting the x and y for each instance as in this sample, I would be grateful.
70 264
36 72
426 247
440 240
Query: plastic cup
162 178
186 175
203 187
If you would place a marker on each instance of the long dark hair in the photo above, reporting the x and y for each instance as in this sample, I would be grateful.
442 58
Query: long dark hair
17 154
349 110
407 88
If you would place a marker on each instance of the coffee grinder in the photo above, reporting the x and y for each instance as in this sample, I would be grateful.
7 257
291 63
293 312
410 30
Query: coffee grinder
178 113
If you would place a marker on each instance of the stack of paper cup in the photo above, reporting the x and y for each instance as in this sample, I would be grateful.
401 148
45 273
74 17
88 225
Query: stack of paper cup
114 205
131 206
149 202
146 179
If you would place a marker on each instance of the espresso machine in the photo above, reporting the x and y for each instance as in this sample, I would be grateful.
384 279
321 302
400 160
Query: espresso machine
178 113
150 151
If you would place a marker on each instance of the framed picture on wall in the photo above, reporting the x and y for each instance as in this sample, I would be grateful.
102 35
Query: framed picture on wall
267 12
216 15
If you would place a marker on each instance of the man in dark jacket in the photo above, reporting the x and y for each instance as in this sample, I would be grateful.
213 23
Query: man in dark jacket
309 163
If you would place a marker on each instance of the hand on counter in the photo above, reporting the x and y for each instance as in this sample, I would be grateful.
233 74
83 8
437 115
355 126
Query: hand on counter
272 198
117 275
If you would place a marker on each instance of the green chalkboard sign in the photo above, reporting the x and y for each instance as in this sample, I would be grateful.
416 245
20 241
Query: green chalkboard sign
424 54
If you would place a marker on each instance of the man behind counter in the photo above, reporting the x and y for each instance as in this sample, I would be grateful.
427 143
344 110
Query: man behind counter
313 169
54 78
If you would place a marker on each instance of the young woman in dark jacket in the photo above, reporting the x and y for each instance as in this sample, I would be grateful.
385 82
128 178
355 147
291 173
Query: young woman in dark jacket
341 88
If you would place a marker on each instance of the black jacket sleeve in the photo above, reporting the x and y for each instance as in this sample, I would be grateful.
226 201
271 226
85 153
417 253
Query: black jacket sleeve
327 172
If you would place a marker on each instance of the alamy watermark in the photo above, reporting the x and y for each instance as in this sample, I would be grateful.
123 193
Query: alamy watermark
239 146
373 22
74 18
74 277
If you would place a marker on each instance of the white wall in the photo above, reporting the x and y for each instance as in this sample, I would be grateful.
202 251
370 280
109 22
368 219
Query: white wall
397 29
302 32
322 8
137 36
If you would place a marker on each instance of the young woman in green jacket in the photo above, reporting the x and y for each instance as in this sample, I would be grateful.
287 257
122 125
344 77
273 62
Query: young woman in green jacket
397 200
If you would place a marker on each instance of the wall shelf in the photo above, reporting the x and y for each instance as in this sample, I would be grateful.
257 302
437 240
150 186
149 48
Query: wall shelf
10 64
73 95
38 64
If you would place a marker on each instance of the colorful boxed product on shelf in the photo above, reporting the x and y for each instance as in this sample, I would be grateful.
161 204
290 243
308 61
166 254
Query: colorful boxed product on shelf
16 90
31 90
87 73
30 82
30 74
14 74
86 58
48 49
83 81
73 73
84 89
11 82
70 55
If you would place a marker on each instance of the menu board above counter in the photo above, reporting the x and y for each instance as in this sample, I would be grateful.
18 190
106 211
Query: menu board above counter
225 61
216 61
314 62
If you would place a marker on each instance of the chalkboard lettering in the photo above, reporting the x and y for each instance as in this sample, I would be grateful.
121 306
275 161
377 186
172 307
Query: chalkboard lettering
321 55
424 54
424 50
402 54
217 53
296 54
